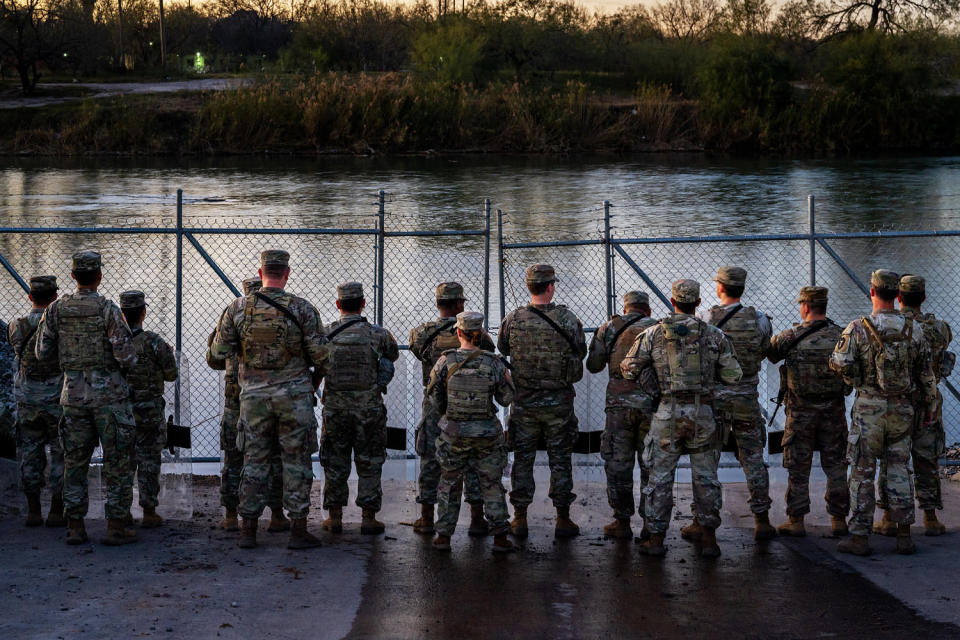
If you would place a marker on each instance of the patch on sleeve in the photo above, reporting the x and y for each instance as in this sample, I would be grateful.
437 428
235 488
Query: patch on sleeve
844 344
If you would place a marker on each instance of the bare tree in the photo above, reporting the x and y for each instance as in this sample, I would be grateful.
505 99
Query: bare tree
829 17
688 19
31 32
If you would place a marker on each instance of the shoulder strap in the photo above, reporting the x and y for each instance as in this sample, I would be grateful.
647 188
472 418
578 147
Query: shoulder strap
289 314
729 315
809 331
350 323
555 327
871 330
626 325
437 332
452 369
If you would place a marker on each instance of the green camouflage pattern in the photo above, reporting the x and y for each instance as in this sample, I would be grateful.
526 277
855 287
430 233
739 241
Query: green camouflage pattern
361 430
485 369
620 391
155 365
621 445
485 458
38 426
8 404
557 424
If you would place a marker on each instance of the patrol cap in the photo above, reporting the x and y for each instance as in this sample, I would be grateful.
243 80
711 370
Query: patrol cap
450 291
252 284
913 284
685 291
540 273
885 279
85 261
350 291
733 276
813 295
274 258
43 284
470 321
132 299
635 297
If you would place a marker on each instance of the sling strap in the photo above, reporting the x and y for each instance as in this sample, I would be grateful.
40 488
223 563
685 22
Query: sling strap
345 325
289 314
729 315
555 327
437 332
626 325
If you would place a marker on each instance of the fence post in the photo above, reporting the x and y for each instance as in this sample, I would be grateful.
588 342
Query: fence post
607 257
486 263
381 217
179 340
503 291
811 210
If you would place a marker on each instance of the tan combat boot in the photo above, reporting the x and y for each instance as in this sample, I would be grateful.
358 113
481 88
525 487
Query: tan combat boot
300 538
838 526
931 525
150 520
566 528
76 532
793 527
692 532
905 544
424 524
441 542
763 530
230 521
857 545
653 546
278 521
708 543
886 526
502 544
478 524
644 533
118 533
334 521
34 511
619 529
518 526
248 534
55 517
369 525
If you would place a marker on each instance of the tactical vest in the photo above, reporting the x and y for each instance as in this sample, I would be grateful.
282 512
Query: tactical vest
624 341
83 340
808 365
937 333
445 340
144 377
32 366
891 356
541 357
744 333
354 362
470 388
683 368
267 338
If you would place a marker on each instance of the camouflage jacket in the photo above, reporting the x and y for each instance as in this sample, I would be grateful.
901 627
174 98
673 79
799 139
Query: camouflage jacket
445 339
155 365
380 344
620 391
938 335
810 381
29 388
231 377
747 384
90 387
8 406
291 373
484 379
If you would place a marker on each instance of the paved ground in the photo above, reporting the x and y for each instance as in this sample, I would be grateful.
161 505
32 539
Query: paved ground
188 580
107 89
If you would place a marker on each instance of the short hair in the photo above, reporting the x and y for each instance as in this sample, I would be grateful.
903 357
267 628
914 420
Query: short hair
86 278
912 298
536 288
133 315
351 305
448 305
733 290
817 307
685 307
638 307
887 295
275 270
43 297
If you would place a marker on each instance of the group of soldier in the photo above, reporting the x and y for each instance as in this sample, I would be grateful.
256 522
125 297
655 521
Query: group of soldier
682 385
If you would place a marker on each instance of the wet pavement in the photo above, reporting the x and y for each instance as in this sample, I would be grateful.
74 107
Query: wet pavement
188 580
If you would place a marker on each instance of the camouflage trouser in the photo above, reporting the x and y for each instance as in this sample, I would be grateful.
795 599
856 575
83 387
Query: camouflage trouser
486 458
558 426
113 427
362 430
38 426
425 444
267 422
621 445
880 429
741 414
232 468
150 438
808 430
929 443
674 430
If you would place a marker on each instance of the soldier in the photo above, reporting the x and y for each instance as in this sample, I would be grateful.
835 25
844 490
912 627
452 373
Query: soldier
155 365
428 342
546 346
94 345
815 410
738 406
887 360
232 469
629 407
277 337
37 390
928 442
463 386
354 415
689 358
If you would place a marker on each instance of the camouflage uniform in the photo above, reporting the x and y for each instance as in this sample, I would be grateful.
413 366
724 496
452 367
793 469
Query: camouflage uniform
882 418
814 408
738 405
545 366
8 403
629 406
94 345
471 438
155 365
428 342
689 358
37 389
277 392
354 415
